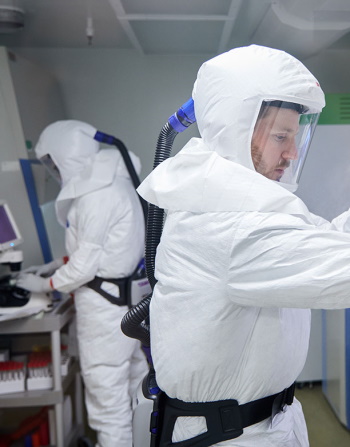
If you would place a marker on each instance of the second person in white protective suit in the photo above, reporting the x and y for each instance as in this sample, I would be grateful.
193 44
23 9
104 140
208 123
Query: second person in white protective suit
104 237
238 265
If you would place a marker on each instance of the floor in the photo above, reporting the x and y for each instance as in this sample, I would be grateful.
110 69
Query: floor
325 429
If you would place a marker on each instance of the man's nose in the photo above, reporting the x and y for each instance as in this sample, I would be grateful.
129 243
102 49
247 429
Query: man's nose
291 153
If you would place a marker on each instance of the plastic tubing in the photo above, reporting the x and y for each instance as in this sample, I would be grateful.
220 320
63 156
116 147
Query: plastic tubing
133 324
109 139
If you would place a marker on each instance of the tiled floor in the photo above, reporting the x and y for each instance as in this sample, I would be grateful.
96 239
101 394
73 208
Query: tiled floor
325 429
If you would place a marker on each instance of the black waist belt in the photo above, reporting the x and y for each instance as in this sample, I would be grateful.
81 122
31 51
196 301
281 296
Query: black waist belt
225 419
95 284
126 297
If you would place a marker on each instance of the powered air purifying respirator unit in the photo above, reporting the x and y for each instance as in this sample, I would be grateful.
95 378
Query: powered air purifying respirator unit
135 287
147 403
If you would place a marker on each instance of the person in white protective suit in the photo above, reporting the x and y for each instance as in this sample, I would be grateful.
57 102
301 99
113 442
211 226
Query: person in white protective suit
105 231
238 265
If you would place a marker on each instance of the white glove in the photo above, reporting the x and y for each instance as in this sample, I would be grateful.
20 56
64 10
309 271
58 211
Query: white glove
45 270
34 283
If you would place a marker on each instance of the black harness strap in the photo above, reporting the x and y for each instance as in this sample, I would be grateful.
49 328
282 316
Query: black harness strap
95 284
225 419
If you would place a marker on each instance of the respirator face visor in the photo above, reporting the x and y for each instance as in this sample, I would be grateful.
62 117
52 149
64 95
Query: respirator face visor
281 140
49 164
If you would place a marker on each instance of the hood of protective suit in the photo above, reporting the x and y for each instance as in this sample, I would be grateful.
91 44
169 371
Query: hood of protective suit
216 172
100 170
231 87
82 166
70 144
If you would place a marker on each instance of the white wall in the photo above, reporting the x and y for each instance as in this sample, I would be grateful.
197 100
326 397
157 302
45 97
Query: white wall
38 95
131 95
332 69
122 92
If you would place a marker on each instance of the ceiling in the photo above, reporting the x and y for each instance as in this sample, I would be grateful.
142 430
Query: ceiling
301 27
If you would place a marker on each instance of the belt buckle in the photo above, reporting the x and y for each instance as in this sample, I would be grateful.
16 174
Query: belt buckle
231 421
289 396
283 399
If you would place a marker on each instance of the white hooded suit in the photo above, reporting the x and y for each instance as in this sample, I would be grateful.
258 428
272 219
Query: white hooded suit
105 230
241 259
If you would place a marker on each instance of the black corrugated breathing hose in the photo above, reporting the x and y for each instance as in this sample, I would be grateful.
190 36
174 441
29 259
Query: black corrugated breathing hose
133 324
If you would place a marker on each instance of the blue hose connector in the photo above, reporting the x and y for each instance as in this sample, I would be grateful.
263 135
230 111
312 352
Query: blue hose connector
104 138
184 117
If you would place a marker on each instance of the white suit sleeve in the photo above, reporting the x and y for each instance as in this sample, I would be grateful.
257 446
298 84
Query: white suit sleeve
93 219
339 223
300 268
80 269
342 222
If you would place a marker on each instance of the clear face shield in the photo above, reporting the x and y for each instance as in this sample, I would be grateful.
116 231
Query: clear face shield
49 164
281 140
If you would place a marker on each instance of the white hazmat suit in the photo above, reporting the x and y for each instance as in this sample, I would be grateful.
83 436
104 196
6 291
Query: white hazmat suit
105 231
241 259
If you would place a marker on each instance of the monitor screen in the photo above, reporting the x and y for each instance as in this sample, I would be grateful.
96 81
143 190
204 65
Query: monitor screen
9 233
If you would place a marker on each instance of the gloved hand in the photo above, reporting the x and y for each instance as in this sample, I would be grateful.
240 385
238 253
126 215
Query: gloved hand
45 270
34 283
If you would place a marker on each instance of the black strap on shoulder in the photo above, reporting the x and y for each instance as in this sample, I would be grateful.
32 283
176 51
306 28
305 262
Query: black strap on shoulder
95 284
225 419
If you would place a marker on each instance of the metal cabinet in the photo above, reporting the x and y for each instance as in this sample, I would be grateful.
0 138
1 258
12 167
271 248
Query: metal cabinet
52 322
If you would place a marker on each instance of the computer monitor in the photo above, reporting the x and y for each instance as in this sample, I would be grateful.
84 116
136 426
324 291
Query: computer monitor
9 232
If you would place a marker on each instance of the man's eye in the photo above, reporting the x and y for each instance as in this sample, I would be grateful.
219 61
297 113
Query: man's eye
280 137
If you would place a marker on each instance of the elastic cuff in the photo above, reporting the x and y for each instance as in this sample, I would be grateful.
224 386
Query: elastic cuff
51 284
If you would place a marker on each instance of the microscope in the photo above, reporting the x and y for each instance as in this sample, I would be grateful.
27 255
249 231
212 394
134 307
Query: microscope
10 237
